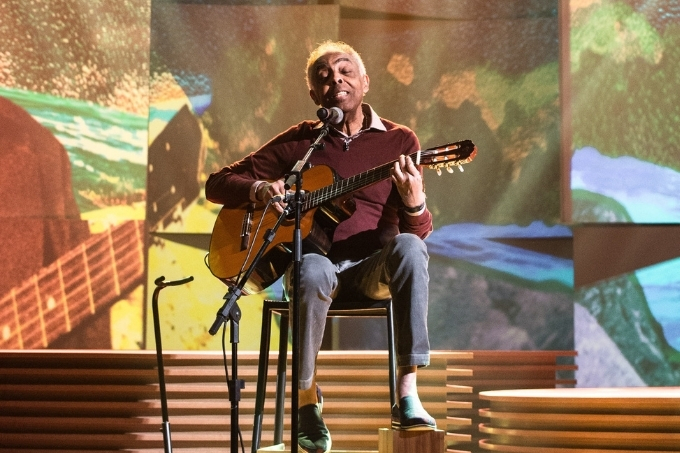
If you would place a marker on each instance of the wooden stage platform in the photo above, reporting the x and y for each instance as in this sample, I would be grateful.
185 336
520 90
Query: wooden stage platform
106 401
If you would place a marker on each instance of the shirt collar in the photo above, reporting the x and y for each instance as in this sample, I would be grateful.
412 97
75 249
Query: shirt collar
376 122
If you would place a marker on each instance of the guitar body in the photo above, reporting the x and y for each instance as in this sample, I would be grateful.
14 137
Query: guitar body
228 250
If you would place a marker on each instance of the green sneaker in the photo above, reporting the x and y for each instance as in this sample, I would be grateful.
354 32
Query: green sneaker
406 417
313 435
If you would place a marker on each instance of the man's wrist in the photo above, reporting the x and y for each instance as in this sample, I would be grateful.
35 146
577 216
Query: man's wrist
255 191
415 210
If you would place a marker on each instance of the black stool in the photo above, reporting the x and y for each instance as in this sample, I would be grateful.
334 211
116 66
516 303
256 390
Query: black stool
381 308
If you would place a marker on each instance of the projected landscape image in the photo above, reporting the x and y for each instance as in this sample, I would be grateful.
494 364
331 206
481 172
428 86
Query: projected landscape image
625 57
625 168
244 87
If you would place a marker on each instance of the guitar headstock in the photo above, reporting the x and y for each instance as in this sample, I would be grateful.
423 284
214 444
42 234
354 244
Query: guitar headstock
447 156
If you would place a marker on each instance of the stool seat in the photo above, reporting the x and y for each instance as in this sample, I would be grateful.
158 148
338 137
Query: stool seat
372 308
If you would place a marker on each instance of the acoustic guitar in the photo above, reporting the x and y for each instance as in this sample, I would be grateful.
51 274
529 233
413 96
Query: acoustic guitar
324 206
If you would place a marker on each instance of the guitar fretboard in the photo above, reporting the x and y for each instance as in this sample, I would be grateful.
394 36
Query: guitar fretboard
457 153
351 184
64 294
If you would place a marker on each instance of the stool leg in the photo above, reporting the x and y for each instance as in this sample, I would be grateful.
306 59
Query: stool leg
281 381
392 356
262 370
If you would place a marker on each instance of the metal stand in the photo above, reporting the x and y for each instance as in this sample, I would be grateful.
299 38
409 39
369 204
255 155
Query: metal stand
230 310
165 426
295 178
295 372
235 384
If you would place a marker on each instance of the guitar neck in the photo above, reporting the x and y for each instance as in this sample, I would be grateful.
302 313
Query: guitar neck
351 184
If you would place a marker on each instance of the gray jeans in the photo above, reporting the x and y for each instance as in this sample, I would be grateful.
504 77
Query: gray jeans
398 271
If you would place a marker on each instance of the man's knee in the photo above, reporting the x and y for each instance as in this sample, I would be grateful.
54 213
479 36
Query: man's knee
317 276
409 247
316 269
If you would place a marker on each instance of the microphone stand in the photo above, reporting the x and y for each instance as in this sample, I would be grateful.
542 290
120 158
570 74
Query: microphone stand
295 178
230 312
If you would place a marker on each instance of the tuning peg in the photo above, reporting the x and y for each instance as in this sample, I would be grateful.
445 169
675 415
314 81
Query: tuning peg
439 171
449 169
460 167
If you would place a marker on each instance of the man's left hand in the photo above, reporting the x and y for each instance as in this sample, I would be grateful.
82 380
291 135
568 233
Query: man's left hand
409 182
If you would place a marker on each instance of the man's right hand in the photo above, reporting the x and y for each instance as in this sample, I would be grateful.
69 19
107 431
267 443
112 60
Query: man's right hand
269 190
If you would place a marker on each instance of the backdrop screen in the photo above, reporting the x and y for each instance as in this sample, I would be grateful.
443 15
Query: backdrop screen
625 58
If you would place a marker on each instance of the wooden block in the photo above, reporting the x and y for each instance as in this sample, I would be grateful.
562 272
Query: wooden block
398 441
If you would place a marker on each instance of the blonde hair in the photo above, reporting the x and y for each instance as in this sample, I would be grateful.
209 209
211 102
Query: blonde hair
327 47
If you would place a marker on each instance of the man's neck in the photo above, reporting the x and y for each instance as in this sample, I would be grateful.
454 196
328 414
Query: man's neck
353 122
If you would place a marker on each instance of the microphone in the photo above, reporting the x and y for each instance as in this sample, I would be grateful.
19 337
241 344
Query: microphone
332 115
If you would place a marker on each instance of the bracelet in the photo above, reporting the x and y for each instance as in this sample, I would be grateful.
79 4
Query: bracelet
257 191
415 209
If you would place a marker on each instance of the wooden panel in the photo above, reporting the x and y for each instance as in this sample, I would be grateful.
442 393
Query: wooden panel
612 422
631 400
495 370
487 445
75 401
617 419
109 401
633 441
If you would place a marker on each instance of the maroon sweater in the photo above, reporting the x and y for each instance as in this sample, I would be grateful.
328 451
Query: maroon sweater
378 216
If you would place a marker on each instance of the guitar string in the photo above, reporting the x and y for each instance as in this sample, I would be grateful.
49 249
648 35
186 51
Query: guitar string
252 243
355 182
350 184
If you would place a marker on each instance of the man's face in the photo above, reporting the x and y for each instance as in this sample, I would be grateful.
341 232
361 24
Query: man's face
337 82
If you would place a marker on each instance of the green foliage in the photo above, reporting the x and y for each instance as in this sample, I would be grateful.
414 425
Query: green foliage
593 207
531 91
612 29
625 100
517 169
115 183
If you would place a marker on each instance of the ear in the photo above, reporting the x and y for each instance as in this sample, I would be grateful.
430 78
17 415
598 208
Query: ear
312 95
366 83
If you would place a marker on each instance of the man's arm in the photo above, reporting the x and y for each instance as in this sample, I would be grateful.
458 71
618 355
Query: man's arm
244 181
229 188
